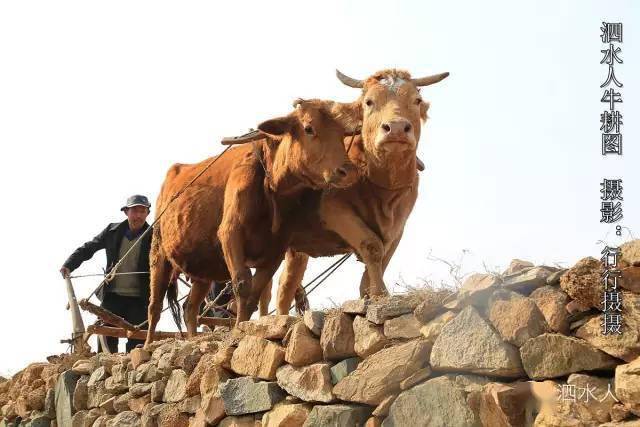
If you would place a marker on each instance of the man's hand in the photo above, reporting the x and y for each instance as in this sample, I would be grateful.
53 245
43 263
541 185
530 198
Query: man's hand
65 272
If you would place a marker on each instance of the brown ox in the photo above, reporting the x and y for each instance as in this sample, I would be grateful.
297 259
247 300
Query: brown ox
237 215
369 217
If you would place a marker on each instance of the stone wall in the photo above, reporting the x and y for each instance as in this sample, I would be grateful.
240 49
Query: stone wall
517 349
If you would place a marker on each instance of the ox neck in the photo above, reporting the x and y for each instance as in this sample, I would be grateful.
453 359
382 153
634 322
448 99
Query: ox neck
393 171
279 178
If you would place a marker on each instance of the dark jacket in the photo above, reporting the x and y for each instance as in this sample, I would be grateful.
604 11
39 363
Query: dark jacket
110 239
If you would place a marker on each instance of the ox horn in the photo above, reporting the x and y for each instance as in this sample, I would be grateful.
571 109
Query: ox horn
351 82
426 81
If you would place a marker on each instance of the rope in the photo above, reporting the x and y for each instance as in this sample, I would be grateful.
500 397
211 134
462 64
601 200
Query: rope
211 304
114 270
333 267
103 274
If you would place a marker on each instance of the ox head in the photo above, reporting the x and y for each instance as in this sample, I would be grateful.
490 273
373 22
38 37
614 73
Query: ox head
391 109
310 146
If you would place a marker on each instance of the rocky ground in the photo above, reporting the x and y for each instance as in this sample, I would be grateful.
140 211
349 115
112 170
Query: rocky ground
516 349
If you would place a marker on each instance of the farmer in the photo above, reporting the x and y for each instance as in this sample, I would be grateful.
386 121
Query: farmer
126 295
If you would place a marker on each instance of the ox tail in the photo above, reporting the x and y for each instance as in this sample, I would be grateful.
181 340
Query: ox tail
172 299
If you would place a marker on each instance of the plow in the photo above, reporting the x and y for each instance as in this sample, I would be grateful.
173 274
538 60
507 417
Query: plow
109 324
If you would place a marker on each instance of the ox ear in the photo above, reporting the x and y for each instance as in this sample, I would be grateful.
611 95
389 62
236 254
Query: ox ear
424 107
276 128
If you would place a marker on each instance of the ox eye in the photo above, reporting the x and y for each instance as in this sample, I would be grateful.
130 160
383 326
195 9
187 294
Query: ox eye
418 101
369 102
308 130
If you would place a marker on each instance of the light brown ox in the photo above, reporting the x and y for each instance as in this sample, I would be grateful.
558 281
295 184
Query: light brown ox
369 217
238 214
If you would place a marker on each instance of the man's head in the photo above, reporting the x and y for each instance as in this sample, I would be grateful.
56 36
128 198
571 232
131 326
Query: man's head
136 209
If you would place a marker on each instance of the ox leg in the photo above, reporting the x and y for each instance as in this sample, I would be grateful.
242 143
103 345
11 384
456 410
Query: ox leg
261 279
238 201
160 276
230 235
365 242
291 279
364 282
265 299
199 290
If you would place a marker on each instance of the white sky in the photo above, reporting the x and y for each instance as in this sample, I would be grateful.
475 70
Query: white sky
98 99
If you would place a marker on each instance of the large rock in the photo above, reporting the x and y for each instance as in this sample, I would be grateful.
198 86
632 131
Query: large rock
310 383
403 327
380 375
526 281
268 327
287 415
121 403
176 388
157 390
369 337
516 266
551 302
125 419
477 288
97 394
625 346
137 404
303 348
80 394
211 408
314 321
506 405
82 418
582 282
516 318
139 356
246 395
540 356
344 368
630 253
627 383
468 343
212 378
431 306
138 390
147 373
630 279
338 415
170 416
432 329
593 405
391 306
356 306
337 339
190 405
64 397
245 421
83 367
437 402
257 357
415 378
583 401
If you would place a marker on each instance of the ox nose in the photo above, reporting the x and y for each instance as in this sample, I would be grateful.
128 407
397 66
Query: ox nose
341 173
344 175
396 128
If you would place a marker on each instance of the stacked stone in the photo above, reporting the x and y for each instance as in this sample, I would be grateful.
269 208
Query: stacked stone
29 397
498 352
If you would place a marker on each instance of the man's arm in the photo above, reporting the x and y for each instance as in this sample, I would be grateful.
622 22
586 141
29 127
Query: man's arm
84 252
